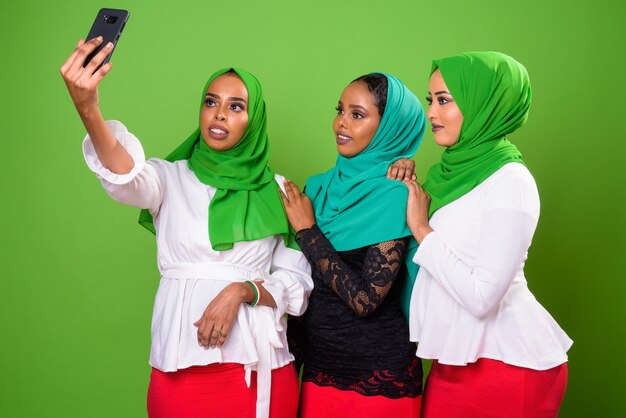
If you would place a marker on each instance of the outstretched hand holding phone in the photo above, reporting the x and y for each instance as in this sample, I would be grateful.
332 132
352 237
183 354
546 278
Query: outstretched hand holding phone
82 82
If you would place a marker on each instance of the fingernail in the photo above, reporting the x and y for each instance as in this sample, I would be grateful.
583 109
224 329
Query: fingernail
99 38
110 45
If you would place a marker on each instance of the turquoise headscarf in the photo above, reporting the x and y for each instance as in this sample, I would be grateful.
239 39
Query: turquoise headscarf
247 204
355 203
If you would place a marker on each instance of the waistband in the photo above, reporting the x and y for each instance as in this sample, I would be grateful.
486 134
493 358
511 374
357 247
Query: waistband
210 271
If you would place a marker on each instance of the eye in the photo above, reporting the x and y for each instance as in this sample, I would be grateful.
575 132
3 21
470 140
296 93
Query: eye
339 110
357 115
209 102
442 100
429 100
237 107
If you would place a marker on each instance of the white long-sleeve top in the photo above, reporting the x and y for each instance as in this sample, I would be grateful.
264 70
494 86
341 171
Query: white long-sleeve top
192 273
471 299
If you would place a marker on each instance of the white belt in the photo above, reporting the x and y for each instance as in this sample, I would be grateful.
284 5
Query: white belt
210 271
259 319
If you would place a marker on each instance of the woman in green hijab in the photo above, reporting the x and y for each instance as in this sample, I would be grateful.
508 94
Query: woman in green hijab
351 226
496 351
229 268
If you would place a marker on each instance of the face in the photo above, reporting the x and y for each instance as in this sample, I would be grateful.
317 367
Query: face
224 115
357 119
444 114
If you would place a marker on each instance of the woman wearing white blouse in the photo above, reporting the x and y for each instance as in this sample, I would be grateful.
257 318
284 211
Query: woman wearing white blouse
497 352
228 269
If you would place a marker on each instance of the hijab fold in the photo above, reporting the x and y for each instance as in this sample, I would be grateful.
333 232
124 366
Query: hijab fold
493 93
247 204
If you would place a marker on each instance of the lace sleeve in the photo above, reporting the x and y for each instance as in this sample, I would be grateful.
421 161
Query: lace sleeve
363 291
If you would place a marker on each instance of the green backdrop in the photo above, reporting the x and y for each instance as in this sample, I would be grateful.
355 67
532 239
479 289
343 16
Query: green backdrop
78 273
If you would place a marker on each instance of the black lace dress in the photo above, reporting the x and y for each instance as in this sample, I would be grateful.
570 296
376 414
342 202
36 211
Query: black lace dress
354 335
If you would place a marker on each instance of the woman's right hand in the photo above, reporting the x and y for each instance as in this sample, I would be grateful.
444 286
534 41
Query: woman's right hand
82 82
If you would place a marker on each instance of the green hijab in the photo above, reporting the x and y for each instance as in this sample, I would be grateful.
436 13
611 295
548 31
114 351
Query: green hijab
493 93
247 204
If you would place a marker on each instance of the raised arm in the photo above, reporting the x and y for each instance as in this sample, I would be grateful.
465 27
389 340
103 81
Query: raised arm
82 84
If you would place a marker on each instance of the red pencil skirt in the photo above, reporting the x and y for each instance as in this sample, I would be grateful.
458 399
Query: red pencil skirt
218 390
325 402
493 389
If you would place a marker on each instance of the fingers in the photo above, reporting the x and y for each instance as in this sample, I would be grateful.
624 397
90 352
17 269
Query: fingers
99 58
82 52
392 172
292 190
102 71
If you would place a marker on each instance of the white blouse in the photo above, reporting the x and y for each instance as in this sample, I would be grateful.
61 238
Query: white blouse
192 273
471 299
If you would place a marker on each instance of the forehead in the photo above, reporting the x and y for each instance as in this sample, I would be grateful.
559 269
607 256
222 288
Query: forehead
357 93
436 82
228 84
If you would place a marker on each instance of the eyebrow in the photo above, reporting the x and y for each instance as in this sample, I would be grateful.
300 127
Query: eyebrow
440 92
352 106
234 98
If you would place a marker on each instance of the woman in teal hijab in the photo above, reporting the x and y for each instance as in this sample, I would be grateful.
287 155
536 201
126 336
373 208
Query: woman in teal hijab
496 351
229 268
351 226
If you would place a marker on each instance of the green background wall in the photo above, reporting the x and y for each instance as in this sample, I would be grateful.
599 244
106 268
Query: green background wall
78 274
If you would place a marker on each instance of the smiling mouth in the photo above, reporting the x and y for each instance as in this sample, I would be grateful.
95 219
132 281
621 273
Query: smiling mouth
342 139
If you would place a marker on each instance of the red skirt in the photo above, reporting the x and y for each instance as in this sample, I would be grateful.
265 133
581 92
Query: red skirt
326 401
219 390
492 389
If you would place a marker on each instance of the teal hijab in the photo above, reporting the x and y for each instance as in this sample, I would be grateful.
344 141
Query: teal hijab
355 203
247 204
493 93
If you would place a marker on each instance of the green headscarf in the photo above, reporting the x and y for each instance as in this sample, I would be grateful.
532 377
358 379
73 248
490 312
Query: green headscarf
493 93
247 204
355 203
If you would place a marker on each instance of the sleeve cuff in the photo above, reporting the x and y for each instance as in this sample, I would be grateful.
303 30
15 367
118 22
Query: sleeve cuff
129 142
424 248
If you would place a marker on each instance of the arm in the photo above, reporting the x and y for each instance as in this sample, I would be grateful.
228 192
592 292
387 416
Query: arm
363 291
286 289
509 219
82 84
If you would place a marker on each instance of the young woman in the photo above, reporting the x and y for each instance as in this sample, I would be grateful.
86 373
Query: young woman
351 226
228 269
496 351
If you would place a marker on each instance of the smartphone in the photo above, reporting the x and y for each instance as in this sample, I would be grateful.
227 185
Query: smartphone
109 24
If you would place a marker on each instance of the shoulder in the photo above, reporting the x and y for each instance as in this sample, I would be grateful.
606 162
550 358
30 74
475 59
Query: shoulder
512 186
280 180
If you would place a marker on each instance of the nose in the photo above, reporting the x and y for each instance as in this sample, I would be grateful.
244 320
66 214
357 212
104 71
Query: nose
431 114
220 114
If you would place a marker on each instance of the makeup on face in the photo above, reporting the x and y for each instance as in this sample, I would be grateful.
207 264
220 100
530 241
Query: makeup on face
444 115
224 115
357 119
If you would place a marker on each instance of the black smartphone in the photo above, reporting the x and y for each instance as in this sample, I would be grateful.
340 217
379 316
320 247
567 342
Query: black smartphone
109 24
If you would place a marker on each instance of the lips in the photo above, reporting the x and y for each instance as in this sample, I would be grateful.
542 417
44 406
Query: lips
342 138
436 127
217 132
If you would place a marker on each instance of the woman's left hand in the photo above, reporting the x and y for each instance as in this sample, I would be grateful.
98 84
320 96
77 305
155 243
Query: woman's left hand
218 317
417 208
298 206
403 170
